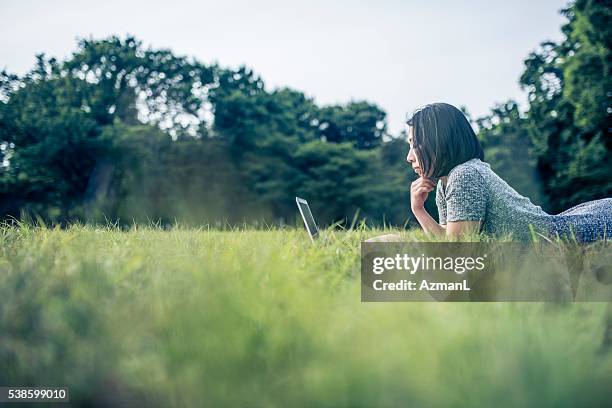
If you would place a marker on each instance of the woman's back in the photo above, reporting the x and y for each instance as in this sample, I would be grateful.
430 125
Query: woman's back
475 192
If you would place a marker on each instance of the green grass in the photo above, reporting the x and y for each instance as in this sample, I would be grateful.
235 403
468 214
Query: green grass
186 317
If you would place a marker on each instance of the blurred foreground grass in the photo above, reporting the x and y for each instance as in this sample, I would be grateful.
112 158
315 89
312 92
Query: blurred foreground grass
186 317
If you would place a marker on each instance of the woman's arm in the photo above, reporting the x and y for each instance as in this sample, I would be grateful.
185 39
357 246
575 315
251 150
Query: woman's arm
429 225
457 229
452 230
419 190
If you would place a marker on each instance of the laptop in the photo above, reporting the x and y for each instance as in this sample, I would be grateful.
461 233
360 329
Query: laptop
309 221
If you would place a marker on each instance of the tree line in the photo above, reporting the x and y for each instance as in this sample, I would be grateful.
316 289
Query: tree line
119 132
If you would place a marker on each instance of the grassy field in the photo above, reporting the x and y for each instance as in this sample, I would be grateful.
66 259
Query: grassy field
186 317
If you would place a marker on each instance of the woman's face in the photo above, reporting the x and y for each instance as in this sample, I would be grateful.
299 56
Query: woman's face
412 158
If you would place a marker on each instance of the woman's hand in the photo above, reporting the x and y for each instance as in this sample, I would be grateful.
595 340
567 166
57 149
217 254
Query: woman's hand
419 189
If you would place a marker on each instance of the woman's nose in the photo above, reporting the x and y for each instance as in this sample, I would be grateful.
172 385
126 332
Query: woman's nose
410 158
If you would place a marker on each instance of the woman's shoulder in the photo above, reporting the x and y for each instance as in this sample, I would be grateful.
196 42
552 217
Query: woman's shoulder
470 171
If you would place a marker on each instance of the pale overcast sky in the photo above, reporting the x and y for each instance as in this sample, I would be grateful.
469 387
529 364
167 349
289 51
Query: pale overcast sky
397 54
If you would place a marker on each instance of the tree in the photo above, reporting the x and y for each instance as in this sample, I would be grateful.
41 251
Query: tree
360 123
55 142
569 111
508 150
115 75
53 118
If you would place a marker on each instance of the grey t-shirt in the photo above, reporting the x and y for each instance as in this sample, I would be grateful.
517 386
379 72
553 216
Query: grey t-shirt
474 192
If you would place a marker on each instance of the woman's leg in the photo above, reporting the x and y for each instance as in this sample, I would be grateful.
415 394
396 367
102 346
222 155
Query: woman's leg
588 221
587 206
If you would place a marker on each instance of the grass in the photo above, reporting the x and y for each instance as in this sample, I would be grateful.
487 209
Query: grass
186 317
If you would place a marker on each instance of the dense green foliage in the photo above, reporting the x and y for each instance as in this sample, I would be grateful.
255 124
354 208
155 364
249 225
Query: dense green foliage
565 134
120 132
508 148
186 317
570 107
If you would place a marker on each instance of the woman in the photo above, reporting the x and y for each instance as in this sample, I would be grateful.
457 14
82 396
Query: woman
470 197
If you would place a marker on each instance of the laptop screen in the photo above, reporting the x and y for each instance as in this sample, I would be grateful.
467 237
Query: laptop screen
308 218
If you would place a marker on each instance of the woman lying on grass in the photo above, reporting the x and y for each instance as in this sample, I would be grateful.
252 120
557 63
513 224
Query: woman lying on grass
471 198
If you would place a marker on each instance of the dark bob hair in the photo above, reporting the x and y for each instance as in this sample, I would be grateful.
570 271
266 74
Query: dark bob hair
442 138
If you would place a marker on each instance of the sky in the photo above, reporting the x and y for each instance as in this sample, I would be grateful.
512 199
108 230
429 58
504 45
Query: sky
397 54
